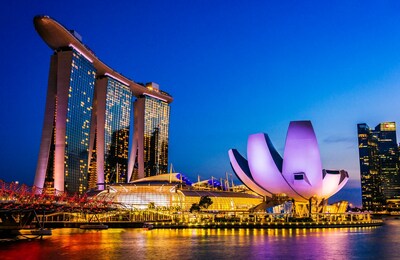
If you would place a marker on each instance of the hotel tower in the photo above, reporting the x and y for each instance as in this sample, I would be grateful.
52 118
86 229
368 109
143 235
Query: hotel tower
90 113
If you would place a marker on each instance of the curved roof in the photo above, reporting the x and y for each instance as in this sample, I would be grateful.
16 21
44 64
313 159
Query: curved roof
299 176
161 178
241 168
57 36
302 155
220 194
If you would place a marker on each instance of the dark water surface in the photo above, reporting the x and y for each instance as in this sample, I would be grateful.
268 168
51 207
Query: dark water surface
344 243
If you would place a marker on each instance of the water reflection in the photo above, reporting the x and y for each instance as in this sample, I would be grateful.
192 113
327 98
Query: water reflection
326 243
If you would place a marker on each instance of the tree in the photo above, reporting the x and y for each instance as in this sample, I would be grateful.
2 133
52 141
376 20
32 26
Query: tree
151 205
205 202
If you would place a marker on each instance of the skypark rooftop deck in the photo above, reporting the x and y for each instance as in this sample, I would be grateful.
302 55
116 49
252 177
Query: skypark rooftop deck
57 37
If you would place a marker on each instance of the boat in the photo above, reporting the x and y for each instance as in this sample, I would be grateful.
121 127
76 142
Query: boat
93 226
148 226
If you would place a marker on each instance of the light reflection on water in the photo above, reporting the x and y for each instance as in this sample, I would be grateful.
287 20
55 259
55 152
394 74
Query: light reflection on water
325 243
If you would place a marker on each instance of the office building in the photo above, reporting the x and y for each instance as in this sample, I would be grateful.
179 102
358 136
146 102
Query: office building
379 165
88 120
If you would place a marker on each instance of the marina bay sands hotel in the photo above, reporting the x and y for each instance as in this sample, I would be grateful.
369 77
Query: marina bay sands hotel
99 126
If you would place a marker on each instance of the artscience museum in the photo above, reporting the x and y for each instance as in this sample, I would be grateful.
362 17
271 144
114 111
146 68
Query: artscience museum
298 175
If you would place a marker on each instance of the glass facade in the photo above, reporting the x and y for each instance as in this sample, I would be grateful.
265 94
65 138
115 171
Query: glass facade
372 197
143 196
79 113
89 114
92 184
379 165
49 179
116 135
388 159
156 127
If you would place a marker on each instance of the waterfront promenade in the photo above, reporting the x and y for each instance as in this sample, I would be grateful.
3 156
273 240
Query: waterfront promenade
21 208
167 219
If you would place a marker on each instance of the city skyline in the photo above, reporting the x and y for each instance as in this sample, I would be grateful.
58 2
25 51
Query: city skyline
329 63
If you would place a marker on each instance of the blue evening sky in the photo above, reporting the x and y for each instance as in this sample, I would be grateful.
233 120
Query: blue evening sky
234 68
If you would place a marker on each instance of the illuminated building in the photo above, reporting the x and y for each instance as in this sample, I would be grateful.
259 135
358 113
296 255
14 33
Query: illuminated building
379 165
372 197
175 191
151 133
114 103
388 159
85 139
298 175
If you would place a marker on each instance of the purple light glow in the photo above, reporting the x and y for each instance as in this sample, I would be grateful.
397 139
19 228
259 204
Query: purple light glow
301 176
81 52
120 80
263 167
330 184
302 155
244 178
150 95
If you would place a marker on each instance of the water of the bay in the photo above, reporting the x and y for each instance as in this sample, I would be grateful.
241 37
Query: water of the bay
328 243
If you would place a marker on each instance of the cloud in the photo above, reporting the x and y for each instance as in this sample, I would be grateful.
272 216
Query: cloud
339 139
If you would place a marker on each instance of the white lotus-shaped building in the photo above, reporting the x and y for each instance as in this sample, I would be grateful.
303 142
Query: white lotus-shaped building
298 175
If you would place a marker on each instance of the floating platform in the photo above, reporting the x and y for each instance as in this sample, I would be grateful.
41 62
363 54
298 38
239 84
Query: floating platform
41 232
93 226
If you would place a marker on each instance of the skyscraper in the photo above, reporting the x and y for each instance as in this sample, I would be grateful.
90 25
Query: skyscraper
85 139
154 124
372 197
114 103
389 160
379 165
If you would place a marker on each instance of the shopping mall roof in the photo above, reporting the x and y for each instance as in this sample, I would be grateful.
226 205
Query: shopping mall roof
200 193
